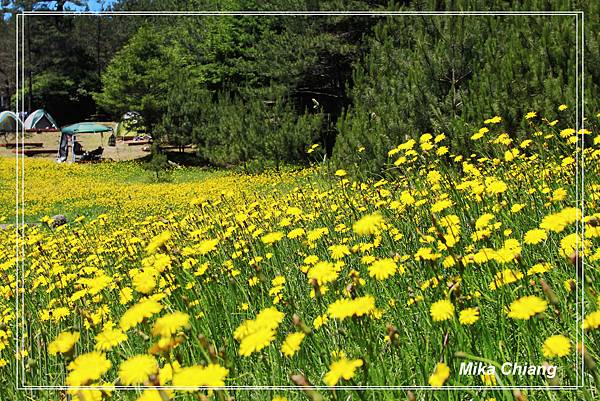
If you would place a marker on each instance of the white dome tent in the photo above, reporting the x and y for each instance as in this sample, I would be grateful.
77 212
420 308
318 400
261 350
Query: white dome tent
9 122
40 120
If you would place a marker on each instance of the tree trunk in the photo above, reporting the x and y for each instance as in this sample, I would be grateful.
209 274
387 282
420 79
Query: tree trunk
29 66
98 67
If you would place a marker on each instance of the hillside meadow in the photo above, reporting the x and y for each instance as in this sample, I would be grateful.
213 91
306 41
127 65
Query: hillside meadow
309 277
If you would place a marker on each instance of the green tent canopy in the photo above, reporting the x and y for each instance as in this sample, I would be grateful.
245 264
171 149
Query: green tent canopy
84 128
72 131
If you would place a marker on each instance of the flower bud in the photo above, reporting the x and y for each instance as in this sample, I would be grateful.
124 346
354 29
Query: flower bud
587 359
301 381
550 294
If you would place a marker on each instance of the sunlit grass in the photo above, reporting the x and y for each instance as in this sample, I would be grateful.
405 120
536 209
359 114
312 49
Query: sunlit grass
390 282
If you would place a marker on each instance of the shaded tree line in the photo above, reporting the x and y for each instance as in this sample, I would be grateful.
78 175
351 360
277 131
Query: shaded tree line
244 88
63 57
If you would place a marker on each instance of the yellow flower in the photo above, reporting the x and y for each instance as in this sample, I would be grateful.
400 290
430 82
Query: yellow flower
468 316
567 132
506 276
87 368
556 345
324 272
170 324
535 236
320 321
493 120
311 259
295 233
125 295
137 369
272 238
207 246
510 154
154 395
426 137
442 150
211 375
539 268
570 285
439 138
563 107
256 334
567 161
489 379
145 281
442 310
158 241
291 344
530 115
63 343
382 269
495 186
484 220
166 372
369 224
440 375
138 312
344 308
592 321
477 135
526 307
317 233
339 251
558 194
572 243
108 338
557 222
441 205
340 173
343 368
517 207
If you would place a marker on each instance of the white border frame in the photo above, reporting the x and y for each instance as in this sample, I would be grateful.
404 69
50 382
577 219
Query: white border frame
20 173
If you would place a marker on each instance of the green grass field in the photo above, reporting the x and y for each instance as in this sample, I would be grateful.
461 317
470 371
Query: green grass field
306 277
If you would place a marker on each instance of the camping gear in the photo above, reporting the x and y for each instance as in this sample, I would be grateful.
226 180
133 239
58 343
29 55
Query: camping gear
92 156
129 120
40 120
112 140
9 122
133 116
71 133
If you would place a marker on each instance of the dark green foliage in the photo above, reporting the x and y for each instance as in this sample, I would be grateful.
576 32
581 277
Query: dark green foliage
140 76
248 88
159 165
446 74
63 57
60 73
229 129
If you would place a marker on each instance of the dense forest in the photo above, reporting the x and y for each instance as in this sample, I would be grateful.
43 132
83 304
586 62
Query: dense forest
246 88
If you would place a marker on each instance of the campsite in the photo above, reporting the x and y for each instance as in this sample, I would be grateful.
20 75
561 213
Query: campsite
42 139
391 201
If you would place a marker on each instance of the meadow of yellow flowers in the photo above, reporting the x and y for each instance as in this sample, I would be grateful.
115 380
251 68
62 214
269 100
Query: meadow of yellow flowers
310 279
